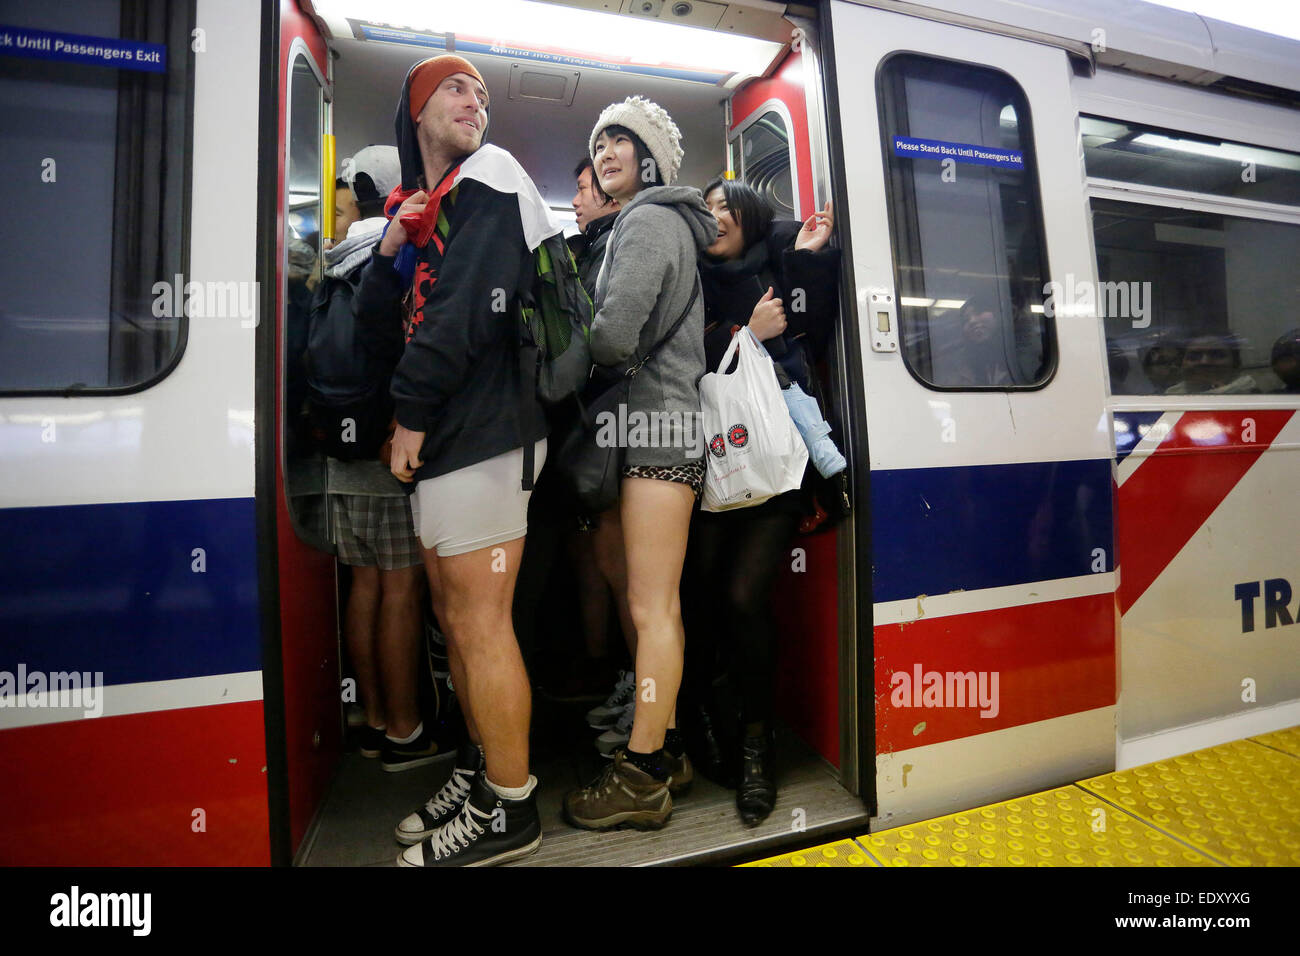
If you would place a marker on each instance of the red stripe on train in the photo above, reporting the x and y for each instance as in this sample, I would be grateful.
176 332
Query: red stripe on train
123 791
1050 659
1175 490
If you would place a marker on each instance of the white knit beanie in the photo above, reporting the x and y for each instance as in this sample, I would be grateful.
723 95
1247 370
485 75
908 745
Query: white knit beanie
652 123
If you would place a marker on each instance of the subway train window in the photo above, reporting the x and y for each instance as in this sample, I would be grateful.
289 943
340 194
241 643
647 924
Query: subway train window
1156 157
93 184
765 161
966 225
304 465
1197 302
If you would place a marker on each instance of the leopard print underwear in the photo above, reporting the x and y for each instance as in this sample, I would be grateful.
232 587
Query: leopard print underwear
691 473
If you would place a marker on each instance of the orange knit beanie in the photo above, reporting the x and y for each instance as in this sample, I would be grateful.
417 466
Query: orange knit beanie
427 75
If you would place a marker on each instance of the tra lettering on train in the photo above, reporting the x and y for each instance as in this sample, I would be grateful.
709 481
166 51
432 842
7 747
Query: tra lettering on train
1276 593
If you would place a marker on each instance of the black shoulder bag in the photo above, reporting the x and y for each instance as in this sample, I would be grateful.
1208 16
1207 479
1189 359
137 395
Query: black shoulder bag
592 471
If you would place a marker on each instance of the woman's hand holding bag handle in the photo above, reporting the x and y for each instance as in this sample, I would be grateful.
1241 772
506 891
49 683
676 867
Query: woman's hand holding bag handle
755 450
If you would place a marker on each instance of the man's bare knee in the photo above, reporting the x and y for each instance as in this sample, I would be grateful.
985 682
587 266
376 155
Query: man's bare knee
400 585
365 580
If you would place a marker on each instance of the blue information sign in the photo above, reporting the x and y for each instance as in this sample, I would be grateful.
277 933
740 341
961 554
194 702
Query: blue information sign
72 47
960 152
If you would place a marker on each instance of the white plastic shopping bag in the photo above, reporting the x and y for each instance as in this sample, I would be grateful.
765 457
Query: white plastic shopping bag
754 449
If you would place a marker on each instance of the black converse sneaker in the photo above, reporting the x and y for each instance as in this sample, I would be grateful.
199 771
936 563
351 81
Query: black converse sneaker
444 804
488 830
433 745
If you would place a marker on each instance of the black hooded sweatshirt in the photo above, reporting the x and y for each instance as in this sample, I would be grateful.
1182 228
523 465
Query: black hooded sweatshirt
459 379
589 250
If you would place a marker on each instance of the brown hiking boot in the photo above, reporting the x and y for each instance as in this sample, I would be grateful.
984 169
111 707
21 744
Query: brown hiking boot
681 773
623 795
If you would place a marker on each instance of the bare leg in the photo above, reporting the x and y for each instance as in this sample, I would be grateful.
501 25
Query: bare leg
656 521
359 634
454 662
399 632
478 591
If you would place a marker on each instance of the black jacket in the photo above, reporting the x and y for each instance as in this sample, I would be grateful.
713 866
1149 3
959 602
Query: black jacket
459 377
732 289
589 250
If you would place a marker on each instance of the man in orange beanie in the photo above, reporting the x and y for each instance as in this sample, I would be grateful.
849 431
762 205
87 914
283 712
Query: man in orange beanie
470 439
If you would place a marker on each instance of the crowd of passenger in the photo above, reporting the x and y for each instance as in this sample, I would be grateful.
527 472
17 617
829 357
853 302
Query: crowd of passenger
434 238
428 235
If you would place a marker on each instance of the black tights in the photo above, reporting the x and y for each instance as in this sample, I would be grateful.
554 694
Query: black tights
731 565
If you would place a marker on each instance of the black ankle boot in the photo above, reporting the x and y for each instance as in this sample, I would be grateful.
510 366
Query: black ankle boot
756 795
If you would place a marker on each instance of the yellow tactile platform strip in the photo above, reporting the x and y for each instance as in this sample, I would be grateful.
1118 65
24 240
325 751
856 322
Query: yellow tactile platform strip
841 853
1061 827
1238 803
1286 740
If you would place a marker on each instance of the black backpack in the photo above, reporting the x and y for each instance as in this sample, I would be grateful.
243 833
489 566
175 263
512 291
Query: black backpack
349 405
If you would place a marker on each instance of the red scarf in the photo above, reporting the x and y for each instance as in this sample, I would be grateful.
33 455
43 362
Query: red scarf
419 230
422 227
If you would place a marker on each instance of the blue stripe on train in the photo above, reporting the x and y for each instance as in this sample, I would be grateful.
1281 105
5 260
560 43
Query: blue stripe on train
113 588
1131 428
936 530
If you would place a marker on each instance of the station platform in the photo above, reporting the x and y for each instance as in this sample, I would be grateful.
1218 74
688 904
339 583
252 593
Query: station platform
1237 804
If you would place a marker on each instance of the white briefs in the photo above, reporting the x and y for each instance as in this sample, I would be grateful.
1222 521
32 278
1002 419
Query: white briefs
477 506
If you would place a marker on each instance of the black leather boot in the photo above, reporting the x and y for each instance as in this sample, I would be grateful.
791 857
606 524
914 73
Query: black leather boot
756 795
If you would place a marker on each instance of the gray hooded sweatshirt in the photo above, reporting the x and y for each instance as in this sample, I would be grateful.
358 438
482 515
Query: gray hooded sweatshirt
645 283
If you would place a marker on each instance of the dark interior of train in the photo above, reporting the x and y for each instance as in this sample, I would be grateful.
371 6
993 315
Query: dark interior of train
543 114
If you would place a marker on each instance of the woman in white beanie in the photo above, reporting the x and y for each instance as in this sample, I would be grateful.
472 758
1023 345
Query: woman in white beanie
648 303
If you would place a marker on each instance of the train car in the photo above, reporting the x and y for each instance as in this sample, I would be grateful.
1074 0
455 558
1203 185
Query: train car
1060 377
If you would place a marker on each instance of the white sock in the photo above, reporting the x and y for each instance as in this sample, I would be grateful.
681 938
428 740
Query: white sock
514 793
419 729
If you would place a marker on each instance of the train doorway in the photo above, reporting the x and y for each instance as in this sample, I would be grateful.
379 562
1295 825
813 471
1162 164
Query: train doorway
743 86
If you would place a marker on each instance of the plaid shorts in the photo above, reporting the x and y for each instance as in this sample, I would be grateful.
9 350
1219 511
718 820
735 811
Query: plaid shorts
375 530
691 473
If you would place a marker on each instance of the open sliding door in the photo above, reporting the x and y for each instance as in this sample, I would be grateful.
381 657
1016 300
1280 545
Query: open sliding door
989 512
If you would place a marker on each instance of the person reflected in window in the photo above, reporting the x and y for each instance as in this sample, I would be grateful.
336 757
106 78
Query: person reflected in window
982 359
1117 362
1212 366
1162 364
1286 360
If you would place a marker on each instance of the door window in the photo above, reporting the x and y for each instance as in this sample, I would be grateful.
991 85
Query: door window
93 187
966 226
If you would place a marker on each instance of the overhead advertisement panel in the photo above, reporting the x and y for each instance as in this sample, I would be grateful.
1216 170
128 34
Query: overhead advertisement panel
489 46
